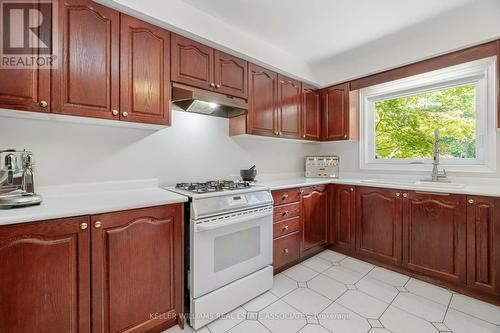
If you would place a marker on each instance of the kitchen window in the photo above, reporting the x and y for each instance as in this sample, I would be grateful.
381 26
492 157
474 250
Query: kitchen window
400 117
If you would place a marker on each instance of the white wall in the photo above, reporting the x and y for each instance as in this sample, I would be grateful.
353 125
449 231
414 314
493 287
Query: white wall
195 148
465 26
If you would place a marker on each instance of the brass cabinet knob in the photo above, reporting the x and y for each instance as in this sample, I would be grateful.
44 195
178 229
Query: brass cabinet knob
285 251
43 104
471 201
285 228
83 226
285 196
115 112
398 194
125 113
97 224
352 189
212 84
405 195
217 86
284 213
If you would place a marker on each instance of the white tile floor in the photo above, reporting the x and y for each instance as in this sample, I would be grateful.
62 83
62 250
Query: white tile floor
335 293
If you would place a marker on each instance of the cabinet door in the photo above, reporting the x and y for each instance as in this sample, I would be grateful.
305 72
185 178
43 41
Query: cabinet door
86 81
289 106
45 277
335 110
192 62
344 216
483 244
434 229
314 217
262 101
27 89
379 223
231 75
137 269
145 72
311 113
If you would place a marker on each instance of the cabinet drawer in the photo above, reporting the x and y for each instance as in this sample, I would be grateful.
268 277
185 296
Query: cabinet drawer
286 196
286 211
286 249
310 189
286 227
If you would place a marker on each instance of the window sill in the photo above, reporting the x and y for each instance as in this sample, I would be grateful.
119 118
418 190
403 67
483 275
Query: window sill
428 168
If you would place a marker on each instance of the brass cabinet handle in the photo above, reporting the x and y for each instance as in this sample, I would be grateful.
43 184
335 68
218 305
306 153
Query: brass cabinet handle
43 104
217 86
98 224
285 251
471 201
405 195
398 194
83 226
285 196
212 84
285 228
125 113
284 213
115 112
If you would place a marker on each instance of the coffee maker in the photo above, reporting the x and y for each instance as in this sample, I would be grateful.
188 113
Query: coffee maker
17 179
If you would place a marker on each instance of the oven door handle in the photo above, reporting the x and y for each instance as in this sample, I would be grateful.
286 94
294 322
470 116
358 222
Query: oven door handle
220 224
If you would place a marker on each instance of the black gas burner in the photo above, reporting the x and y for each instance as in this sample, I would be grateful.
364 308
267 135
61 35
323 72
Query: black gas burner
212 186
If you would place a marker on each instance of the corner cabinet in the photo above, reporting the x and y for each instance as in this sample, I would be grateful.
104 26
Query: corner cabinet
289 107
379 223
311 113
201 66
136 260
342 199
335 113
314 211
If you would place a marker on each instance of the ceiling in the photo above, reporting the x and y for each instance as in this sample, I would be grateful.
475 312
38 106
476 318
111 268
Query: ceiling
315 30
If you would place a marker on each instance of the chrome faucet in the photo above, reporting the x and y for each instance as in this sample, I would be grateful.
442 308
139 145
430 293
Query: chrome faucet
436 175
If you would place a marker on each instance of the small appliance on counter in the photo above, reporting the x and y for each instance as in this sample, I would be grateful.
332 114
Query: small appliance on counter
322 166
17 179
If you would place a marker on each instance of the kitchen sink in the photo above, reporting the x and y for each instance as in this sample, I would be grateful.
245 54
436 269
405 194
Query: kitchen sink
418 183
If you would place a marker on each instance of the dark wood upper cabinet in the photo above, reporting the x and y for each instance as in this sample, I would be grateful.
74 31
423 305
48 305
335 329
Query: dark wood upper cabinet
145 72
137 269
335 113
434 229
289 107
45 277
86 79
314 210
192 62
343 216
230 74
311 113
262 117
379 223
483 244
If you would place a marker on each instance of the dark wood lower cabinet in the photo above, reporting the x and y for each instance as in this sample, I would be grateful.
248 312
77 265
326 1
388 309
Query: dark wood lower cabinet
434 229
343 216
137 269
483 244
116 272
379 223
44 277
314 217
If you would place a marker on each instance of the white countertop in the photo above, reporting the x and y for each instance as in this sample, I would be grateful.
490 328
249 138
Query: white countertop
95 198
479 186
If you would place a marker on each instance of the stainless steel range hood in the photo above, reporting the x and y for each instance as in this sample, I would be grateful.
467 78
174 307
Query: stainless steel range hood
207 102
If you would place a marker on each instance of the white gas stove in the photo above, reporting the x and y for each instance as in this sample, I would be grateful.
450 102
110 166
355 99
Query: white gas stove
229 246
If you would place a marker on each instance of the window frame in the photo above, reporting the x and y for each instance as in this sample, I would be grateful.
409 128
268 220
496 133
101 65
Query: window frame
480 72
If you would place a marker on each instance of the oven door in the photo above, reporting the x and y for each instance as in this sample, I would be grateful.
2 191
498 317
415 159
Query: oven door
229 247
